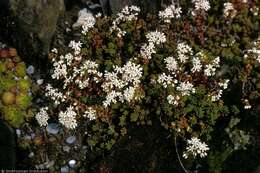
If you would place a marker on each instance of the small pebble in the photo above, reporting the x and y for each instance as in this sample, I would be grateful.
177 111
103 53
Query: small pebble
64 169
33 135
31 155
66 148
18 132
53 128
72 163
71 139
30 70
39 81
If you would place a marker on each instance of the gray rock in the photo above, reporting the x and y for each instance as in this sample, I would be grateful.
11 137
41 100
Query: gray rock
66 148
53 128
64 169
71 139
72 163
30 70
36 22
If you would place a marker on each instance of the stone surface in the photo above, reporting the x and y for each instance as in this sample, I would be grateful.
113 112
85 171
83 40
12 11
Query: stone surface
53 128
35 22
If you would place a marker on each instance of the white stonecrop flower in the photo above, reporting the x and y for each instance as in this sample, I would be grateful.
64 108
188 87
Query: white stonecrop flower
147 50
86 20
156 37
229 10
173 100
127 14
60 70
68 118
224 84
129 93
54 50
112 97
120 84
90 113
42 116
171 64
201 5
247 105
184 51
186 88
256 51
210 69
76 46
195 148
196 65
165 80
217 96
169 13
54 94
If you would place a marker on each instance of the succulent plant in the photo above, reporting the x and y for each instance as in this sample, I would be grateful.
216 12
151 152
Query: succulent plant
23 100
15 101
20 69
8 98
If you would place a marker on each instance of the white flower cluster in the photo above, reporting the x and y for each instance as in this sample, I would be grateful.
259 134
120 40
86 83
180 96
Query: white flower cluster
184 51
79 75
247 104
88 69
120 85
186 88
61 66
171 64
165 80
229 10
201 5
196 64
76 46
86 20
90 113
68 118
210 69
223 85
54 94
154 38
42 116
169 13
173 100
195 147
255 51
127 14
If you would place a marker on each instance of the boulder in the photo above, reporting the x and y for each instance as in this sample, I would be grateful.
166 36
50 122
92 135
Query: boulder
35 22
